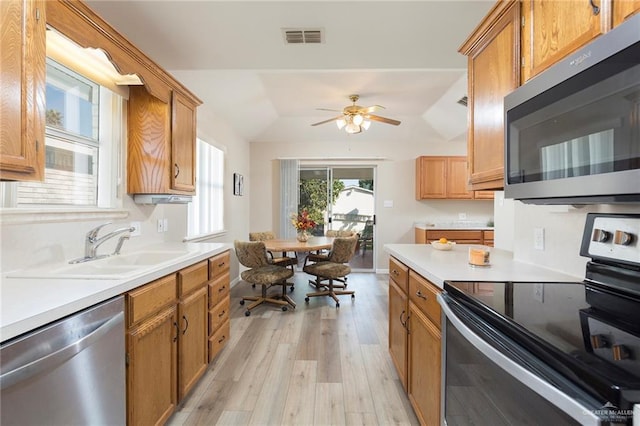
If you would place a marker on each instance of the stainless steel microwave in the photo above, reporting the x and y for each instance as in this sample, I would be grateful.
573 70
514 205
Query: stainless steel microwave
572 133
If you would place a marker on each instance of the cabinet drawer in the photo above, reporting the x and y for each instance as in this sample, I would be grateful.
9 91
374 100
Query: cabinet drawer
454 235
218 315
399 273
423 294
219 264
192 277
488 235
218 340
150 298
218 290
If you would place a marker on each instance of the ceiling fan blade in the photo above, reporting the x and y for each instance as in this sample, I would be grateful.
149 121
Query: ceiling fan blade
382 119
372 108
328 109
329 120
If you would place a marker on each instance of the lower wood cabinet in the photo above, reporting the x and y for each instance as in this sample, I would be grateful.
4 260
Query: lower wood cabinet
415 340
171 325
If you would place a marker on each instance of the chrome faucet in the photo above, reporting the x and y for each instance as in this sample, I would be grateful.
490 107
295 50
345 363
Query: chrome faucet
92 242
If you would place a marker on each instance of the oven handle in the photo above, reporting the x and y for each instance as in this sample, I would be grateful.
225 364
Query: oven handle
573 408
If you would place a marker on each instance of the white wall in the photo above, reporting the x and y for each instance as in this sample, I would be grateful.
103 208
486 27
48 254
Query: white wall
395 181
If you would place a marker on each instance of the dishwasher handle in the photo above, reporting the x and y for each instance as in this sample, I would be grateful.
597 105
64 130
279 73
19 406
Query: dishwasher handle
56 358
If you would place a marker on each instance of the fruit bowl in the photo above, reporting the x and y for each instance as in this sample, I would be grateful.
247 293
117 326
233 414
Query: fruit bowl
442 246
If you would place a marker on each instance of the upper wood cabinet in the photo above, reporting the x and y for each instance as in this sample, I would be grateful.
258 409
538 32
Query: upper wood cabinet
493 51
161 148
624 9
554 29
445 178
22 89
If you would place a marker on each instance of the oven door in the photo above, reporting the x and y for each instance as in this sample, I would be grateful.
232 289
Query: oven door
490 379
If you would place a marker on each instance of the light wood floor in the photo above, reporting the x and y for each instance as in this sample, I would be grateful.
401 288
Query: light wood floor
314 365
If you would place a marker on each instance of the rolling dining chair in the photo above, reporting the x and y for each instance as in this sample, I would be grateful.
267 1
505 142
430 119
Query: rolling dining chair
319 257
284 259
333 268
262 272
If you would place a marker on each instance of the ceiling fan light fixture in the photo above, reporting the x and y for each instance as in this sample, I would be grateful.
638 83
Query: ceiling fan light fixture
341 123
352 128
366 124
358 119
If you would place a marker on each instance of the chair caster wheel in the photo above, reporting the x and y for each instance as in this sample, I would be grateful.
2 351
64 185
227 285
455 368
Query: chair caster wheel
337 304
253 285
284 309
353 296
291 288
241 302
247 313
306 299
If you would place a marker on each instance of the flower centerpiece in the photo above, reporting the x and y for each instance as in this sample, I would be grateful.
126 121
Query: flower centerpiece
303 224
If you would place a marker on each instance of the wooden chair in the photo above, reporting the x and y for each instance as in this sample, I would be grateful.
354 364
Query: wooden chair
333 268
282 260
262 272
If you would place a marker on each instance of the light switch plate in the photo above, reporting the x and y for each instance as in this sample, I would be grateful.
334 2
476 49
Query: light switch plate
138 229
538 238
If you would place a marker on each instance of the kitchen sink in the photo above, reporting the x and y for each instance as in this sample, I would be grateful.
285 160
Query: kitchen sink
109 268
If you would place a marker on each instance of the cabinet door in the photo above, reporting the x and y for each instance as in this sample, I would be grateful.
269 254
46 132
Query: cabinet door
398 315
554 29
457 178
193 340
183 144
420 236
424 367
624 9
22 89
431 175
148 159
151 369
493 72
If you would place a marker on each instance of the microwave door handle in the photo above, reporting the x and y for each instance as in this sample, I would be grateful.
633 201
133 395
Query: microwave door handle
567 404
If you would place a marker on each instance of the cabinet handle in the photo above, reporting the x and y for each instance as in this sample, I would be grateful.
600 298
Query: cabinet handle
222 339
594 7
220 265
221 314
407 324
175 324
177 169
404 323
420 295
395 272
221 289
186 324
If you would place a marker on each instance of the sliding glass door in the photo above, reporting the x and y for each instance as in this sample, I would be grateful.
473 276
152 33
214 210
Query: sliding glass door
342 198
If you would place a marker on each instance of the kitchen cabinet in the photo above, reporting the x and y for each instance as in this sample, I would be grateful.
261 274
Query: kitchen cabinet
22 89
161 146
415 339
192 315
168 338
152 352
219 303
424 350
493 52
487 238
442 178
398 315
624 9
551 30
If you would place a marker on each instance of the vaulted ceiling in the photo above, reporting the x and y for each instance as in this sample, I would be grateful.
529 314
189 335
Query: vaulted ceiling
232 54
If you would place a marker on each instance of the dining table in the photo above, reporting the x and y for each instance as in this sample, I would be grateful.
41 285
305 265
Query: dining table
287 245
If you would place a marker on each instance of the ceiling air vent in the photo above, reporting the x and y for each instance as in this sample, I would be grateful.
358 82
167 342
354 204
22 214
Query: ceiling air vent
463 101
303 35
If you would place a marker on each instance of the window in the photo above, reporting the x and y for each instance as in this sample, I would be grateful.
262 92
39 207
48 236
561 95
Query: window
206 210
82 149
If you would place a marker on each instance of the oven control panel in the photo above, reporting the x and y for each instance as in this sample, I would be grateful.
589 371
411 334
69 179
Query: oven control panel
614 237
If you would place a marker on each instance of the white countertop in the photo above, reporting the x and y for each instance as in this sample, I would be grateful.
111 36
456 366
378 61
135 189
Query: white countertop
28 303
438 266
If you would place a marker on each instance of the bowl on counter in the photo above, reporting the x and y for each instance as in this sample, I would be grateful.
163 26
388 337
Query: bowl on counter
443 246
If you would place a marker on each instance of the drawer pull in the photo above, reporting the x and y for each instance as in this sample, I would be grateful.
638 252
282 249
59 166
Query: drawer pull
395 272
221 314
220 265
222 339
594 7
420 295
186 324
221 289
404 323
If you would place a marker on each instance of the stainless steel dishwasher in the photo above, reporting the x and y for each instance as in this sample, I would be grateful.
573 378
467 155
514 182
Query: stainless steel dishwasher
70 372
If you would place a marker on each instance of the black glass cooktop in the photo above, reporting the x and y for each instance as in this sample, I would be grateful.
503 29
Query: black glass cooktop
565 325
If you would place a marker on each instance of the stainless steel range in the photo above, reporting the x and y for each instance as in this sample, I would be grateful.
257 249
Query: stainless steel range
550 353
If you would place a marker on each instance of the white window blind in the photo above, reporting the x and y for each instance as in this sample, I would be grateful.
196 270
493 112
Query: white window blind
206 211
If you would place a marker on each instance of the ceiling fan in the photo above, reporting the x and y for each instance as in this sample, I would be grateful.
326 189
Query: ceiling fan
355 119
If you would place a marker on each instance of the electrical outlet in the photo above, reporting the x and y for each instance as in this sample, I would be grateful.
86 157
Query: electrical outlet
538 292
538 238
462 216
138 229
165 224
160 225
